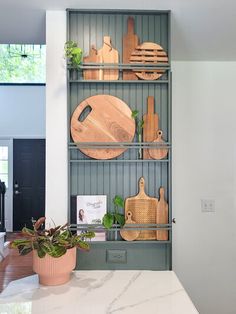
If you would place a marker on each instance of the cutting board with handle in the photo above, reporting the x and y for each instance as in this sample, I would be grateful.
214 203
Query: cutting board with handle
102 118
93 57
109 54
162 216
129 235
130 41
143 209
149 53
150 125
158 153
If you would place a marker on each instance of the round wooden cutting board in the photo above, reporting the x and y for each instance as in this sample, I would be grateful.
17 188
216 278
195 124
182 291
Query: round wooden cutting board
149 53
108 119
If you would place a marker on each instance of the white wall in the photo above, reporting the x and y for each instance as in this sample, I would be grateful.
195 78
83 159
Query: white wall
56 119
22 111
204 167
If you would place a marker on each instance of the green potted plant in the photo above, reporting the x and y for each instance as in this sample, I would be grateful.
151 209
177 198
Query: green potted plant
73 55
114 218
54 250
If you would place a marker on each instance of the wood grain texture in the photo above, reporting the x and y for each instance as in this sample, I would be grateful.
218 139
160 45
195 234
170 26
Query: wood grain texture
108 121
150 125
149 53
109 54
130 41
93 57
143 209
158 153
162 216
129 235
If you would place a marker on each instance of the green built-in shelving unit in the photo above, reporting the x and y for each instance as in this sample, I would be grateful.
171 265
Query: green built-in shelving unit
120 175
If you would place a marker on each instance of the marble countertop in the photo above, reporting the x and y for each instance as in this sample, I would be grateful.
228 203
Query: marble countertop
100 292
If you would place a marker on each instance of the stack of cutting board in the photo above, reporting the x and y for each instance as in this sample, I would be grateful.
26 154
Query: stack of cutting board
143 209
107 54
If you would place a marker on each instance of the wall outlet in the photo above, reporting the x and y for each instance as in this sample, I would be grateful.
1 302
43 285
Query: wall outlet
208 206
116 256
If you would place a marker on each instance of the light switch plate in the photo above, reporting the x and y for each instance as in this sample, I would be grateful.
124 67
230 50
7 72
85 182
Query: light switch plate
208 206
116 256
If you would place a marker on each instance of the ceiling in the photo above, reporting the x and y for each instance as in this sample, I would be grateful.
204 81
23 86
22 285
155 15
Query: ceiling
201 29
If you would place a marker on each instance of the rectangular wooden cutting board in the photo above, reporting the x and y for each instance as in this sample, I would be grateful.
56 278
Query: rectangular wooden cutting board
130 41
143 209
150 126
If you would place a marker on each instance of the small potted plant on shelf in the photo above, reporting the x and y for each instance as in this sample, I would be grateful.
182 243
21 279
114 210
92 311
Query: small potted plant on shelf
115 217
73 55
54 250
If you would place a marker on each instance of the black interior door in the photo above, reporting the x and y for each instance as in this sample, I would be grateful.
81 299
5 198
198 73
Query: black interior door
28 181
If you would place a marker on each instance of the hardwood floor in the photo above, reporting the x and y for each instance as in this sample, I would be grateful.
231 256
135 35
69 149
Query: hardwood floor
14 266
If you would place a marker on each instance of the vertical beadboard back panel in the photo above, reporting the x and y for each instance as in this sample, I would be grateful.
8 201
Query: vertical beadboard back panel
120 176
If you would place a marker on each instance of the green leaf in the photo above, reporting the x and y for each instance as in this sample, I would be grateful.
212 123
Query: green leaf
57 251
120 219
41 253
47 247
18 242
107 220
64 235
88 235
134 114
27 231
118 201
24 250
83 245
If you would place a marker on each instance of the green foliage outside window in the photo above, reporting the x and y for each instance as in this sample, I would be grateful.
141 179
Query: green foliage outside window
22 64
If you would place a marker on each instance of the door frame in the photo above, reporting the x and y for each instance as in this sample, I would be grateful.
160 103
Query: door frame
9 193
9 141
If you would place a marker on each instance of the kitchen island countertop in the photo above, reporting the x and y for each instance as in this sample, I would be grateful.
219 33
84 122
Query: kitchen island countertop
100 292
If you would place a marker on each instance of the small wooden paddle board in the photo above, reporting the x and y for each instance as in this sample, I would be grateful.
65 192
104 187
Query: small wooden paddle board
158 153
109 54
129 235
93 57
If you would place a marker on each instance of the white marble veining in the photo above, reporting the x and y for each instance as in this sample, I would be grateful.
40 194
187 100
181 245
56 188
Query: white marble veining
100 292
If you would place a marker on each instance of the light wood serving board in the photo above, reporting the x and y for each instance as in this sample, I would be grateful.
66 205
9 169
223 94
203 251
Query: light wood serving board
158 153
130 41
162 216
150 125
143 209
109 120
93 57
129 235
149 53
109 54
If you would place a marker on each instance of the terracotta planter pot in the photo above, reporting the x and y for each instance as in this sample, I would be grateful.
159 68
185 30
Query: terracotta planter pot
54 271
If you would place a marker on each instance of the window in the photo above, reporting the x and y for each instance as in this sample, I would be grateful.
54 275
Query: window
4 164
22 64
